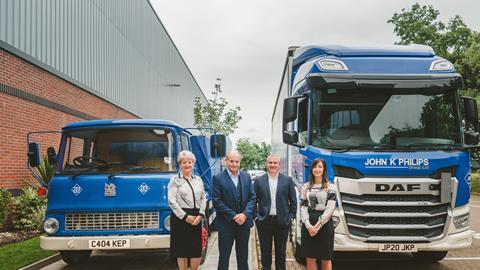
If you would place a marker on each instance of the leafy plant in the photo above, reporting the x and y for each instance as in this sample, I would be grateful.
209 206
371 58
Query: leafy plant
46 170
215 115
253 155
475 182
453 40
5 199
28 210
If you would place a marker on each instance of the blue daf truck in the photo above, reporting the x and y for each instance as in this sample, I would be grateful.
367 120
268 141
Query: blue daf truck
109 191
395 135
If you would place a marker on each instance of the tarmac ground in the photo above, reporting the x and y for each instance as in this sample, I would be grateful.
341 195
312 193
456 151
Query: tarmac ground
462 259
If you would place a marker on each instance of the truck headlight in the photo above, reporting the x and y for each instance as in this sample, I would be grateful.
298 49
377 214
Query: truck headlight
461 221
336 221
50 225
166 223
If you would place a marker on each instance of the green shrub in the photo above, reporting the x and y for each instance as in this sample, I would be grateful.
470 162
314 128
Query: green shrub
28 210
475 181
4 203
46 170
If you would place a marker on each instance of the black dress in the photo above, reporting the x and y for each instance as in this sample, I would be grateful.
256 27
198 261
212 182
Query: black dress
185 239
318 203
319 246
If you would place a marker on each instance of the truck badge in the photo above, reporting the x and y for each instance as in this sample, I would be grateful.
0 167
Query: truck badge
110 190
143 188
76 189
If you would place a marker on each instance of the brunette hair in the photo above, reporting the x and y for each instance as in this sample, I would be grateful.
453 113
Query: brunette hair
311 179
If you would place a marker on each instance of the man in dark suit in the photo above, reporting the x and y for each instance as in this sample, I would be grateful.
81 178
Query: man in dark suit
276 207
234 202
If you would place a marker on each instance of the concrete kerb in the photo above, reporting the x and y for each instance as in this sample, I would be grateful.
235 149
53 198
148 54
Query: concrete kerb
42 263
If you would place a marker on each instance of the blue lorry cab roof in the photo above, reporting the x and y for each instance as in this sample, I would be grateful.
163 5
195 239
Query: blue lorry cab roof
397 60
121 122
302 54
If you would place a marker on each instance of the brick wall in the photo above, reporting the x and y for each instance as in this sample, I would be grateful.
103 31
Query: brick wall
25 111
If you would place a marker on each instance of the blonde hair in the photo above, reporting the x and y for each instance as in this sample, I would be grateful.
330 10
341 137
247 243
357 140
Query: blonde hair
186 154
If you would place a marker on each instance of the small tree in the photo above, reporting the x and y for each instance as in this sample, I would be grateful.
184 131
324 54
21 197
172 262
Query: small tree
253 155
214 113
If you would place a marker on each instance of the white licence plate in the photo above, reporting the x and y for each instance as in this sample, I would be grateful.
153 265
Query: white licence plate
109 244
397 248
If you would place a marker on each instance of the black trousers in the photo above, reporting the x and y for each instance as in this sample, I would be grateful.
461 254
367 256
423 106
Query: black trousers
225 242
269 230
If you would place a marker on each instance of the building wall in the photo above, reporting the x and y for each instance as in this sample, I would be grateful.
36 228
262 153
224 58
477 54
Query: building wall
32 99
66 61
115 49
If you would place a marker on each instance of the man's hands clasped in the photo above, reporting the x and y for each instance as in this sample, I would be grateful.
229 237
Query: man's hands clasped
240 218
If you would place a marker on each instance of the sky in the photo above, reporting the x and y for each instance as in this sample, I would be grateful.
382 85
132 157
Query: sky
245 42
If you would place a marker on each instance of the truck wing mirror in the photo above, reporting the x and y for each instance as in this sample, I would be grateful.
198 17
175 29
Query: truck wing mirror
290 137
52 156
471 111
218 145
471 138
290 109
33 155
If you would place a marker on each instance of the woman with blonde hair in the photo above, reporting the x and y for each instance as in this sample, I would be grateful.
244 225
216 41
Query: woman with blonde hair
318 201
186 198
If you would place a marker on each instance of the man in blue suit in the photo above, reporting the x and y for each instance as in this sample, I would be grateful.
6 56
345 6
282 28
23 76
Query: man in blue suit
276 207
234 201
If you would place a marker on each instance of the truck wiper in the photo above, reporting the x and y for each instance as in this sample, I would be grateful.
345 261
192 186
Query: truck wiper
141 168
365 146
101 167
132 169
431 146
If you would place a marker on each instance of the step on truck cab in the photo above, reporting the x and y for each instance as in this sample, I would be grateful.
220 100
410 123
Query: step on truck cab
395 135
109 191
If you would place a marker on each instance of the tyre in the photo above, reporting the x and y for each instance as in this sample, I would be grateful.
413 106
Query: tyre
75 257
205 234
430 256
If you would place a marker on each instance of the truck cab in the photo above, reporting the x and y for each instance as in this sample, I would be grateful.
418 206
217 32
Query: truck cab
395 135
109 191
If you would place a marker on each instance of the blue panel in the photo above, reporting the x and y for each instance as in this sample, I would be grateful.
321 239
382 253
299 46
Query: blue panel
405 164
113 122
90 193
205 165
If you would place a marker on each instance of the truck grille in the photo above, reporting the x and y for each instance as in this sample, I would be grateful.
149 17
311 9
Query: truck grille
112 221
392 217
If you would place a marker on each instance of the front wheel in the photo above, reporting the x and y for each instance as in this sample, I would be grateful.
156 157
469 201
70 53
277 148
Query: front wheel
430 256
75 257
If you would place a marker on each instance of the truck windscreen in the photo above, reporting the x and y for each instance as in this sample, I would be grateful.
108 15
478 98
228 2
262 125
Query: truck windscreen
119 150
385 118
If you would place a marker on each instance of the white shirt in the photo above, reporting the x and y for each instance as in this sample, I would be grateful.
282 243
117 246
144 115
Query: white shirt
233 177
273 183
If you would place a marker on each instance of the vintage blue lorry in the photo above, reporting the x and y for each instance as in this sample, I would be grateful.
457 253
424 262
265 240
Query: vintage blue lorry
395 135
109 191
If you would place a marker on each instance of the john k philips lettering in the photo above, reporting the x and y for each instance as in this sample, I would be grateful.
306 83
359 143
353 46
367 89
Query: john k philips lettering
400 162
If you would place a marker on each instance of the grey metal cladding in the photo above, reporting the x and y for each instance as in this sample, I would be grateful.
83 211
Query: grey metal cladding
116 49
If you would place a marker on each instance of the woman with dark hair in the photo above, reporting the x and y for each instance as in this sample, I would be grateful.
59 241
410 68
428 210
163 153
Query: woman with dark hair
317 205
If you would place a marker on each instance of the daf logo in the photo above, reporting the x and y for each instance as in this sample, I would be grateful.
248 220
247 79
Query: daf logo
396 187
110 190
